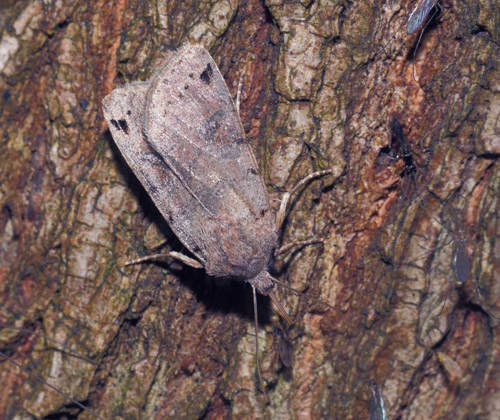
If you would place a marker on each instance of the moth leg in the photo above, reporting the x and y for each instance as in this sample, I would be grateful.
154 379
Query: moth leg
186 260
294 244
161 257
280 216
256 326
238 95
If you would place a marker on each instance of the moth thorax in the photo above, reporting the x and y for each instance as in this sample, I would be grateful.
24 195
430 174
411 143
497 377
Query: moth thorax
263 282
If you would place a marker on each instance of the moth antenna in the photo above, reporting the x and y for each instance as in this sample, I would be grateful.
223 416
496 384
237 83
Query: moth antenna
40 379
256 325
301 294
66 348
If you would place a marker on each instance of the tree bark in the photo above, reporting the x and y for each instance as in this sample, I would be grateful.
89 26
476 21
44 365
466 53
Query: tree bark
319 92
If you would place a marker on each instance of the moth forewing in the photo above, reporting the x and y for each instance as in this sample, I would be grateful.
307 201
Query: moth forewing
224 214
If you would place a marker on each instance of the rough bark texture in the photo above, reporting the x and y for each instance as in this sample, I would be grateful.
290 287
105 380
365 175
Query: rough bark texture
318 92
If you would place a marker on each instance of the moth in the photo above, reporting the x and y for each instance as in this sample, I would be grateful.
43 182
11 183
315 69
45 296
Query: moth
181 135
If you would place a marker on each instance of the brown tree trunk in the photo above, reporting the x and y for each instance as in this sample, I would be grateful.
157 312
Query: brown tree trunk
318 92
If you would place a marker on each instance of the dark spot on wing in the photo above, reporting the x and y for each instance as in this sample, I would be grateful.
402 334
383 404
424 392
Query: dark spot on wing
206 75
120 125
123 126
217 132
252 171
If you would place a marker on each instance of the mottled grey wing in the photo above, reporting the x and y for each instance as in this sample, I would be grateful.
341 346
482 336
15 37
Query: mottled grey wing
192 123
419 15
124 111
